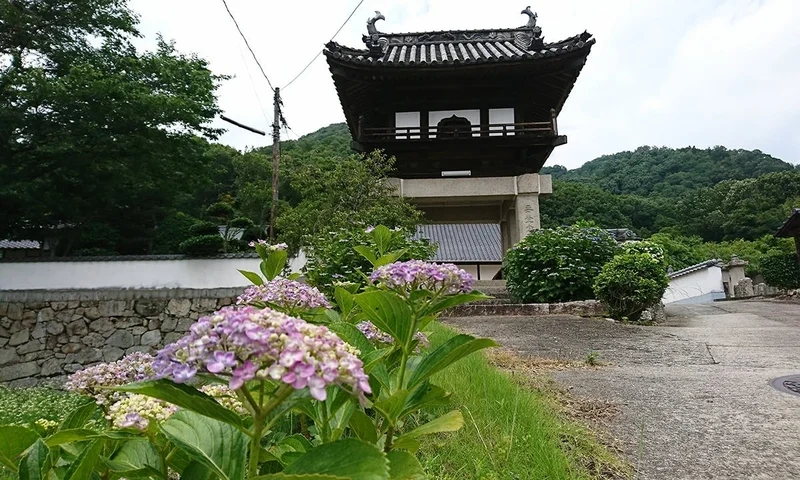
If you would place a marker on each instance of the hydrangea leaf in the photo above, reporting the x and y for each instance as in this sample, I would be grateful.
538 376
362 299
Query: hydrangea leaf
35 463
186 397
404 466
217 445
449 422
254 278
13 441
446 354
79 417
349 458
136 456
388 312
84 464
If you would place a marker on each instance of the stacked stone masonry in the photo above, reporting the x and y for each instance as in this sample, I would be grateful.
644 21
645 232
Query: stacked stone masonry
45 336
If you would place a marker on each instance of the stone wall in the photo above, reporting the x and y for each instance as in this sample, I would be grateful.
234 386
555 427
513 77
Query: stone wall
46 335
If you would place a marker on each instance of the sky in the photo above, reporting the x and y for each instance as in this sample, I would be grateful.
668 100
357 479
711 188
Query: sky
663 72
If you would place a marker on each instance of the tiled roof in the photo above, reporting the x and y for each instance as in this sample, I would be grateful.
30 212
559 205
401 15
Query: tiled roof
465 243
456 46
9 244
707 264
124 258
440 53
791 227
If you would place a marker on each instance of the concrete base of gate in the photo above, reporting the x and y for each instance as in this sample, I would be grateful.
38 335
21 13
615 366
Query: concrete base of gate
513 202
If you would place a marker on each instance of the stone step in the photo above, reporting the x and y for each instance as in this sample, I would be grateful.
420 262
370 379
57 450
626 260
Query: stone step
585 308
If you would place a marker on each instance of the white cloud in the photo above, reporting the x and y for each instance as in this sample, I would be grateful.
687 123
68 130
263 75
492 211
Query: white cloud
662 72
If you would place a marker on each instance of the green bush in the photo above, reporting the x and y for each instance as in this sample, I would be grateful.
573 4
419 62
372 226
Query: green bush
781 270
650 248
331 255
202 245
204 228
241 222
220 210
557 265
630 283
173 230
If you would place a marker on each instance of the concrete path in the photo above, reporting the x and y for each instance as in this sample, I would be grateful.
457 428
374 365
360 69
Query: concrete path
694 392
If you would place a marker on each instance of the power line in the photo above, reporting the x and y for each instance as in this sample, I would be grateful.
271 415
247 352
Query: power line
253 84
248 44
320 52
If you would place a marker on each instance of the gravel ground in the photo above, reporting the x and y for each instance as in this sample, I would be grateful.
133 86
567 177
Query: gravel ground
694 393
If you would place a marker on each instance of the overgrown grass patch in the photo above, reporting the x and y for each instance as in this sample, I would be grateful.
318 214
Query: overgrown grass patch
517 427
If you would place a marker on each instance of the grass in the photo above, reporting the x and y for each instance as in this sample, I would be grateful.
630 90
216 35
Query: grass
516 426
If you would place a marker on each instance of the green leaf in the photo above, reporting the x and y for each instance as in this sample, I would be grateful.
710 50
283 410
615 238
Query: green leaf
348 458
197 471
388 258
367 253
254 278
274 264
306 476
388 312
446 354
352 335
363 427
80 416
83 466
404 466
136 455
449 422
344 300
382 236
13 441
217 445
186 397
35 464
425 395
392 407
450 301
69 436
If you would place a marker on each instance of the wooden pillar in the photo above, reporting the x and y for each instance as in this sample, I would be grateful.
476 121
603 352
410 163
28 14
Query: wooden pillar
484 122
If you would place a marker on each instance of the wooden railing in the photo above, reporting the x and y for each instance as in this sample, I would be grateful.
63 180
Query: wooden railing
542 129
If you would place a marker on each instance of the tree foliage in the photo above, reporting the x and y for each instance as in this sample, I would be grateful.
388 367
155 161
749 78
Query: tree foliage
781 269
93 131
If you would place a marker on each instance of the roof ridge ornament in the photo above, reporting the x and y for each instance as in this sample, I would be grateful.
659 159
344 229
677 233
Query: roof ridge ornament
532 16
375 40
371 23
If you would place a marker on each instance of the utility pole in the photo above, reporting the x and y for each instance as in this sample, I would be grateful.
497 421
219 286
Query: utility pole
276 153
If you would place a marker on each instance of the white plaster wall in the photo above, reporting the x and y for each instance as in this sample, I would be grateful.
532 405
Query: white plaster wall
489 271
500 115
474 117
406 119
471 269
703 285
191 273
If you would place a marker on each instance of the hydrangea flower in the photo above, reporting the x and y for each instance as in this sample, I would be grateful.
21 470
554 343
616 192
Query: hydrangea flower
377 336
137 411
94 381
286 294
417 274
246 343
270 248
225 397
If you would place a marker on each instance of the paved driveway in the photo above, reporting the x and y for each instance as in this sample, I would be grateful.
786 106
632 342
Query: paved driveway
694 393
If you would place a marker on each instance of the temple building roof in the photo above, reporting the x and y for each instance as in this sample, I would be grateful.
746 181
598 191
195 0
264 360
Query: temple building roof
468 47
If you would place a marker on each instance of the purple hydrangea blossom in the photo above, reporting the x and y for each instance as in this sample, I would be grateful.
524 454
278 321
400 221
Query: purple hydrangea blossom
417 274
264 344
94 381
378 337
285 294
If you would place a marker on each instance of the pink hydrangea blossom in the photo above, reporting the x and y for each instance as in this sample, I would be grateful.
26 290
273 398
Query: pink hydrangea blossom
285 294
245 343
417 274
94 381
378 337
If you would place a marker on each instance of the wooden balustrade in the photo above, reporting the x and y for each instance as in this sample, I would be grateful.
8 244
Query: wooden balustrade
459 132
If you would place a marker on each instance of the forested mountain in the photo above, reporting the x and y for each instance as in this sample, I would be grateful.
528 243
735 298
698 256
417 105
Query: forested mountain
670 172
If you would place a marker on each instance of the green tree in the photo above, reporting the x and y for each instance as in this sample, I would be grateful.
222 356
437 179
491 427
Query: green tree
92 131
338 192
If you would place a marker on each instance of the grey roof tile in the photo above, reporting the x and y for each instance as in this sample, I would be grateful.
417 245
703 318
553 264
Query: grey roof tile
464 243
18 244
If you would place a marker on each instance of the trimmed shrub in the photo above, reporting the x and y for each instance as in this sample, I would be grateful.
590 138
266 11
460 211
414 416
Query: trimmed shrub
202 245
204 228
221 210
650 248
781 270
630 283
557 265
171 232
241 222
